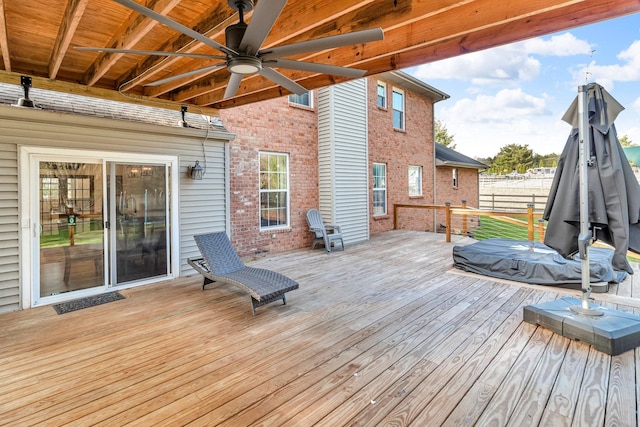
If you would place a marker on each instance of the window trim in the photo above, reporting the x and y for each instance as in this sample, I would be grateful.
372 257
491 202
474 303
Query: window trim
384 97
288 192
298 104
419 182
379 189
402 111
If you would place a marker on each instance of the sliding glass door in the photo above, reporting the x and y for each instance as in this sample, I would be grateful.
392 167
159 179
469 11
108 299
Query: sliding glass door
101 223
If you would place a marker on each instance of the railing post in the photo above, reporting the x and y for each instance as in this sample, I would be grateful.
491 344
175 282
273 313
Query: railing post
447 222
395 217
464 218
530 220
493 201
541 230
533 201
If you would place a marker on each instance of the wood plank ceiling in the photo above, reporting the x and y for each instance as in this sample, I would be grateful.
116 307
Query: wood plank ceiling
38 39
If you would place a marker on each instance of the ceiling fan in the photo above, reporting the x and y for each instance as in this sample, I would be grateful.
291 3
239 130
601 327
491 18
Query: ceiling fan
243 55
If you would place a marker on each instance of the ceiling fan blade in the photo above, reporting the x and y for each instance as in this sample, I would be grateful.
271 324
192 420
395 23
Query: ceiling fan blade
187 74
232 85
264 16
149 52
173 24
315 68
330 42
283 81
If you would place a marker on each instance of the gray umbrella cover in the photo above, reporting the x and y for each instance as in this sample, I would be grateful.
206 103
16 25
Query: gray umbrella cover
614 193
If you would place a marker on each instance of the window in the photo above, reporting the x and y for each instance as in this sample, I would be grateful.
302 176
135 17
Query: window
454 174
382 95
379 189
415 180
274 190
398 109
306 100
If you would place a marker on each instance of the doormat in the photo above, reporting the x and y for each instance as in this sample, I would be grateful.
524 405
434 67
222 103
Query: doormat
79 304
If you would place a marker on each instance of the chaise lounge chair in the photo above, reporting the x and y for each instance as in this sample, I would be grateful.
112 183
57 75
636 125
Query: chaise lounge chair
221 263
324 234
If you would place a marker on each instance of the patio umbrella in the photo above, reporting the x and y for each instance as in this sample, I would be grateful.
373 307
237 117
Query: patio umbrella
594 193
613 190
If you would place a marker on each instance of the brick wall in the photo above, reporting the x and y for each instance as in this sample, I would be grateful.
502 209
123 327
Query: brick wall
273 126
398 150
467 189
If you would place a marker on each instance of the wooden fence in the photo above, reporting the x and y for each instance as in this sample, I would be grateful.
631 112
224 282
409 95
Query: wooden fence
512 202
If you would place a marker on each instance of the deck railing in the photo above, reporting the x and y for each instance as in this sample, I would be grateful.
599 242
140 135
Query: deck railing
529 219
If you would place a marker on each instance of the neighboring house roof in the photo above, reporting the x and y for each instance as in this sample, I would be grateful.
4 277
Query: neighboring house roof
445 156
87 106
415 85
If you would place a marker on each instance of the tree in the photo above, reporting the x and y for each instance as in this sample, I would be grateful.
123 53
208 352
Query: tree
626 142
441 135
514 157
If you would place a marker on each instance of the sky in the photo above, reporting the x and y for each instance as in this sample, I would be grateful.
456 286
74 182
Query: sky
518 93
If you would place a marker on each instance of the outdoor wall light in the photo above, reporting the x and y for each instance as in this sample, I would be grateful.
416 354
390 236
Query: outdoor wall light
196 172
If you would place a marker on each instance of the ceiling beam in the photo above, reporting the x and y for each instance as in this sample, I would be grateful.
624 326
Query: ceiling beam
4 38
367 16
130 33
95 92
286 28
212 26
404 56
70 20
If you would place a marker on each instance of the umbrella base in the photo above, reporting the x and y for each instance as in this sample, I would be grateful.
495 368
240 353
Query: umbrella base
611 331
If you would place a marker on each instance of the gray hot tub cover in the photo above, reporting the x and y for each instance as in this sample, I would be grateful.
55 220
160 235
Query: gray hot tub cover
533 262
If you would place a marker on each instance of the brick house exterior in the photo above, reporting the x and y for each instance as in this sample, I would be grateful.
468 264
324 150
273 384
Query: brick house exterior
283 127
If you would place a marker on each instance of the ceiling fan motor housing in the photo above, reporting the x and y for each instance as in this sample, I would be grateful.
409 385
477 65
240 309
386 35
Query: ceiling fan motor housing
233 35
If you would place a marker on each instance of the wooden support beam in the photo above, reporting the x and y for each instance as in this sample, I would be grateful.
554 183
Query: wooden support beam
134 29
72 15
4 38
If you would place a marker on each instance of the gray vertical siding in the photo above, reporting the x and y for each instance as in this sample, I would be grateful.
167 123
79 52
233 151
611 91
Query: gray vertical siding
9 266
202 204
343 157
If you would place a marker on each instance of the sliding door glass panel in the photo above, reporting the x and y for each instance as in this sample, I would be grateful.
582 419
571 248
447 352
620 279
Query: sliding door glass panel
139 233
71 227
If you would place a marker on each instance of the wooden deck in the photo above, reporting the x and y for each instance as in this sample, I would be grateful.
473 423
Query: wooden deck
385 333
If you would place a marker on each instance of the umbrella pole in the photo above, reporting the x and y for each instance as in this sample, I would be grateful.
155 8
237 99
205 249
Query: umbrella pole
585 236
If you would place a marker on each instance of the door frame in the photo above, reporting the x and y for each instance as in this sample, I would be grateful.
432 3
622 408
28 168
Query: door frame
29 156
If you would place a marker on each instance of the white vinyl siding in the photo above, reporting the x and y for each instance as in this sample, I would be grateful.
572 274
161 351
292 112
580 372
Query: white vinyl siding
9 267
202 204
343 158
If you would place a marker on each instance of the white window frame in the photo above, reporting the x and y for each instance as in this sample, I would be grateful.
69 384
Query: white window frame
295 100
381 98
398 108
379 187
415 181
262 191
454 175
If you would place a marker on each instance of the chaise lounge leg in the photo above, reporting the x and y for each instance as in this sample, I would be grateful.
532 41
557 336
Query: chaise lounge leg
284 300
206 281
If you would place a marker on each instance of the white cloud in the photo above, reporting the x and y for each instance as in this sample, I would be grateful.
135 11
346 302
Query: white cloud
561 45
607 75
505 64
484 124
498 65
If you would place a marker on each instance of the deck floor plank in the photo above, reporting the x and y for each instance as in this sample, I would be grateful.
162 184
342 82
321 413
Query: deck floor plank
383 333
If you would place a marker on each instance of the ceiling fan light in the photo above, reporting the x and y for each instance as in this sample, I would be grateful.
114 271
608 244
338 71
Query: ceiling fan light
244 65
